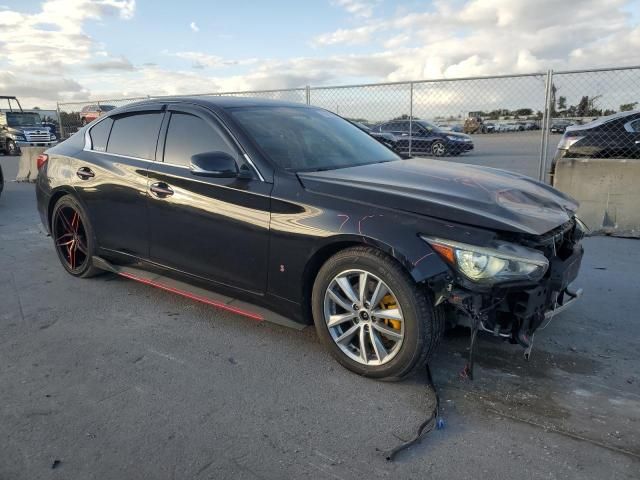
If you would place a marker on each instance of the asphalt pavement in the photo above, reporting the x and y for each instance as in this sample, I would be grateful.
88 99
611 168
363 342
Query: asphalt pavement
105 378
515 151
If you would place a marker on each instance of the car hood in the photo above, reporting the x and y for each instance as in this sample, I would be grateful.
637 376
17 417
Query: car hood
469 194
462 136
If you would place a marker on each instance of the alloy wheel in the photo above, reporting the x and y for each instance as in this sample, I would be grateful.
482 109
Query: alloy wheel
363 317
438 149
70 238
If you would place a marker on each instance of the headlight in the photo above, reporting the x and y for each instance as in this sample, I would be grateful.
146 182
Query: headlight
454 138
52 137
17 136
566 142
502 262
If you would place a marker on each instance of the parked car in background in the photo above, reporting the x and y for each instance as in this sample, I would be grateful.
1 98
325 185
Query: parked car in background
489 127
425 138
23 129
385 138
559 126
303 218
90 112
615 136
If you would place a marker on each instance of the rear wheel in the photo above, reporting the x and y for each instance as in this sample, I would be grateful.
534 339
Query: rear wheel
73 237
375 320
438 149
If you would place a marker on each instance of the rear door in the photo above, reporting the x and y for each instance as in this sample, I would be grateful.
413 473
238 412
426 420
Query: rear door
214 228
111 178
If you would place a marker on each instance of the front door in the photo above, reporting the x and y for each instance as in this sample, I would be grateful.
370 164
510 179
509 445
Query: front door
214 228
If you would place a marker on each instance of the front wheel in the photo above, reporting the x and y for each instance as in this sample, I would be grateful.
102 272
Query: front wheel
372 316
73 237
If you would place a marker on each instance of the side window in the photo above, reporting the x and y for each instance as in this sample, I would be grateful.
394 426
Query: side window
635 126
402 127
189 135
387 127
135 135
100 135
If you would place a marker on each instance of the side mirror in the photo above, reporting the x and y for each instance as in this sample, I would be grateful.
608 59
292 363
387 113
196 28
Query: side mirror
214 164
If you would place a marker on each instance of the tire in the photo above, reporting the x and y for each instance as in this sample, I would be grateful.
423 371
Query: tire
73 237
438 149
12 149
421 326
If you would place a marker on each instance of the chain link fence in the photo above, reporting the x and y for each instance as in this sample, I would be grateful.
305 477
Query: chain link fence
515 122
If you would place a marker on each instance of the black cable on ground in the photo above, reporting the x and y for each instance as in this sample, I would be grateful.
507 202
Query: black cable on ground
425 427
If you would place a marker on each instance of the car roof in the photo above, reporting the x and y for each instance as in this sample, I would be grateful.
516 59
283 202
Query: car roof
221 101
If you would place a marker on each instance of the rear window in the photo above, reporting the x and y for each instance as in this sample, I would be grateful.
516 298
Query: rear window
100 135
135 135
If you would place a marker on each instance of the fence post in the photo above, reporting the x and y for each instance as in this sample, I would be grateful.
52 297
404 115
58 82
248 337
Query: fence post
308 94
546 122
60 126
410 115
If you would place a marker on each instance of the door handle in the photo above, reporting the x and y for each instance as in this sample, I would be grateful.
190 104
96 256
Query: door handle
161 190
85 173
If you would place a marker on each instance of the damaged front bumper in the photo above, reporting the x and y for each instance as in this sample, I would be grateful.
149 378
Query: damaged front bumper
516 311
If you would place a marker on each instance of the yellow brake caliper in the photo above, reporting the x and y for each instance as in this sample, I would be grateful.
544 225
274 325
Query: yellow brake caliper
388 303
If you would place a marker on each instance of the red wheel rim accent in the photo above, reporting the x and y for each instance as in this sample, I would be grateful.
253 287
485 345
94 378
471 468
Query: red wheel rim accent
70 238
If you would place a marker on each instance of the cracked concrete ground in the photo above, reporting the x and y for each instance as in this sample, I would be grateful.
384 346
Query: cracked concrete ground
109 379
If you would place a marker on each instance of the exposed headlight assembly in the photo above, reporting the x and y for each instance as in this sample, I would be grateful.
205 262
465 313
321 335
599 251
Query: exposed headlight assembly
502 262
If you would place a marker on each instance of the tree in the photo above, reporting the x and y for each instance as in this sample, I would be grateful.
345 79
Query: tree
404 116
583 106
554 90
627 107
562 103
523 112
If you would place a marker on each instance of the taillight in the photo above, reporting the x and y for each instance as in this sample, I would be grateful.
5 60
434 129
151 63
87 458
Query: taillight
42 159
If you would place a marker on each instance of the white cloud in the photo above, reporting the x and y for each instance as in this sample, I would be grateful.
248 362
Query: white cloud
482 37
444 39
194 27
52 42
203 60
353 36
359 8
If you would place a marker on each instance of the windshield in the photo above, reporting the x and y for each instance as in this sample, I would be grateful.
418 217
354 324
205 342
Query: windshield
23 119
430 127
304 139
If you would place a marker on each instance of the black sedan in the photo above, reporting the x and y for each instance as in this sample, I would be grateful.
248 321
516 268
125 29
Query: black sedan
385 138
419 137
292 214
614 136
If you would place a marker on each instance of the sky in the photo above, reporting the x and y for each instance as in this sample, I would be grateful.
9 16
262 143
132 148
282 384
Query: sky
73 50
